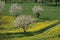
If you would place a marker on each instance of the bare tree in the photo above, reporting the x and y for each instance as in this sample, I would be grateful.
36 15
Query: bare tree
37 10
15 9
23 21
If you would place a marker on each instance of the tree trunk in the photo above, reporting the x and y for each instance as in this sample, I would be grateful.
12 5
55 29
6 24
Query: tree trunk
35 1
38 15
15 15
22 1
56 2
24 29
42 1
50 0
30 0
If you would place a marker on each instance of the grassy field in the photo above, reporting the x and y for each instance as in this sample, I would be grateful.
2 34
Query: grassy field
49 11
45 30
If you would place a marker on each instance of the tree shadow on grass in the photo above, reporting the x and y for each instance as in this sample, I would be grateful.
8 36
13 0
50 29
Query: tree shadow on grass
22 34
45 19
42 20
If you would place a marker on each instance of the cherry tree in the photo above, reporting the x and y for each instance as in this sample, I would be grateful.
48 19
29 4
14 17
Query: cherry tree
2 4
15 9
23 21
37 10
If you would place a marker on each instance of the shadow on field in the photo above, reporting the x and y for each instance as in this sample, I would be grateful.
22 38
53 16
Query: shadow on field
42 20
14 35
54 5
45 19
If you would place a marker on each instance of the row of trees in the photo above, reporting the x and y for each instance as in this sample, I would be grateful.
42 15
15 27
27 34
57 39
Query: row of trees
55 1
33 0
16 9
22 20
36 1
20 0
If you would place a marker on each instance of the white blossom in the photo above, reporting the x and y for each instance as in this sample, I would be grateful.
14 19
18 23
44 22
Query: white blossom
2 4
23 21
37 9
15 9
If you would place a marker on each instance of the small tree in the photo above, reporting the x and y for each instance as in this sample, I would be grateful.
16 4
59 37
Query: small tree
23 21
2 4
15 9
37 10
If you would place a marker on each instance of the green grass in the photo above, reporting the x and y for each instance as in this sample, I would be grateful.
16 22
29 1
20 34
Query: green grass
52 12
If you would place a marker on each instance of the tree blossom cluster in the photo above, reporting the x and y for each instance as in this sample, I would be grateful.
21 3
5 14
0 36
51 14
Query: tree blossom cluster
23 21
37 9
15 9
2 4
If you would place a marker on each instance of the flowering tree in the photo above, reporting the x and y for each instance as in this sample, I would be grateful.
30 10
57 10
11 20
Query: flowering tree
2 4
23 21
37 10
15 9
